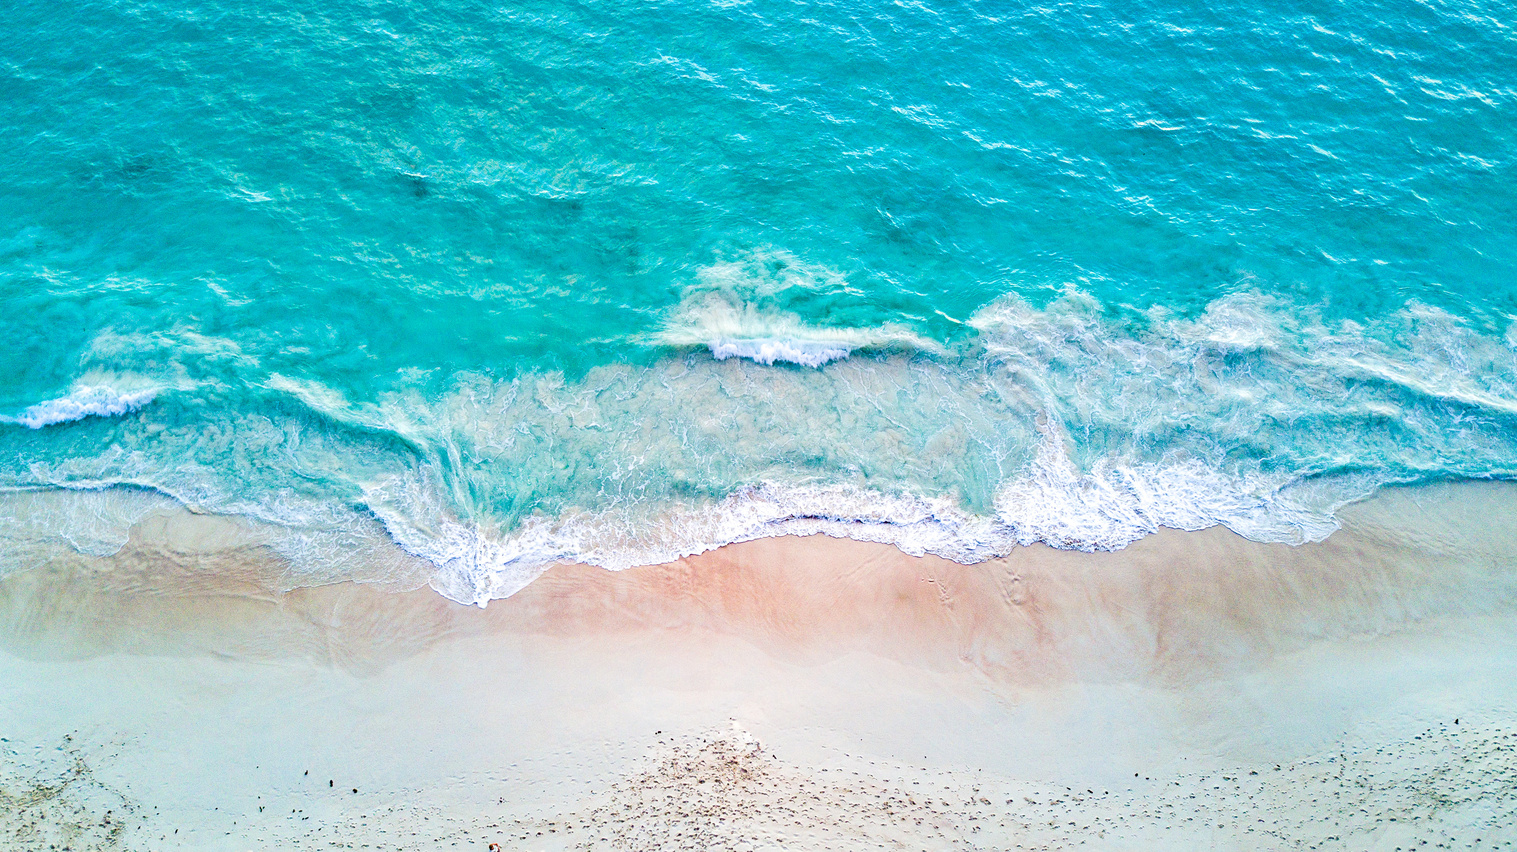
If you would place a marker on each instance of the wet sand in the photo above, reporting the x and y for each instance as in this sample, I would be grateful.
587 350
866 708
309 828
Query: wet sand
783 694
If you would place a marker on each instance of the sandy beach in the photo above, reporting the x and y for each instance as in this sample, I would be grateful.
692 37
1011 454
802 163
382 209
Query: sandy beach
742 426
1195 690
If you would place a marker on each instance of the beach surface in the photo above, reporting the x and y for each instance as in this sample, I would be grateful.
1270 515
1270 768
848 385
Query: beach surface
1194 690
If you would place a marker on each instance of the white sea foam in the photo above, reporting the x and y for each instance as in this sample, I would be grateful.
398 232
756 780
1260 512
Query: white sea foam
808 353
737 310
1179 379
1051 504
83 401
1055 425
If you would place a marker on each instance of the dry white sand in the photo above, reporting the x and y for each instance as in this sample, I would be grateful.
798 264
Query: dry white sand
1192 691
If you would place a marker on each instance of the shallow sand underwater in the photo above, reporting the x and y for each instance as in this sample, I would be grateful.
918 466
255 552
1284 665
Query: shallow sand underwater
1194 690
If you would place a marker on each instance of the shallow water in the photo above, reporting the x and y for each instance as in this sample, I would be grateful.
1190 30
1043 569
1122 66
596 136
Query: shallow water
1191 690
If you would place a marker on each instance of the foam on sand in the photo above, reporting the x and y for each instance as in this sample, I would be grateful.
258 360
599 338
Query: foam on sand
879 696
1051 503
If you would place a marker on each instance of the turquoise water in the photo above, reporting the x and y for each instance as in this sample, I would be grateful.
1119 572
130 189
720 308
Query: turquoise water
508 284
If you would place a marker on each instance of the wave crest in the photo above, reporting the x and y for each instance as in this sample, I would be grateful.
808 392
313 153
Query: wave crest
807 353
83 401
742 309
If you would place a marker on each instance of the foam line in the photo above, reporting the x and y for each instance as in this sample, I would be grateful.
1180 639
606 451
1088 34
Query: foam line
807 353
1052 503
84 401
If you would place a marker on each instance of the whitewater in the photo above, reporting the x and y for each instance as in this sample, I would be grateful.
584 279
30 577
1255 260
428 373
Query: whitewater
448 294
1052 425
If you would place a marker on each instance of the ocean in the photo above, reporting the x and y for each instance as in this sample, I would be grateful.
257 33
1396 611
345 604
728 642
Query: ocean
446 293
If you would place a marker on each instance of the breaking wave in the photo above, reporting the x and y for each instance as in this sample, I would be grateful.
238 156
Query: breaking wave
1069 424
1051 503
807 353
740 309
83 401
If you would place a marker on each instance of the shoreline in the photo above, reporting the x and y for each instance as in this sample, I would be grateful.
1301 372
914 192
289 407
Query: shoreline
200 694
